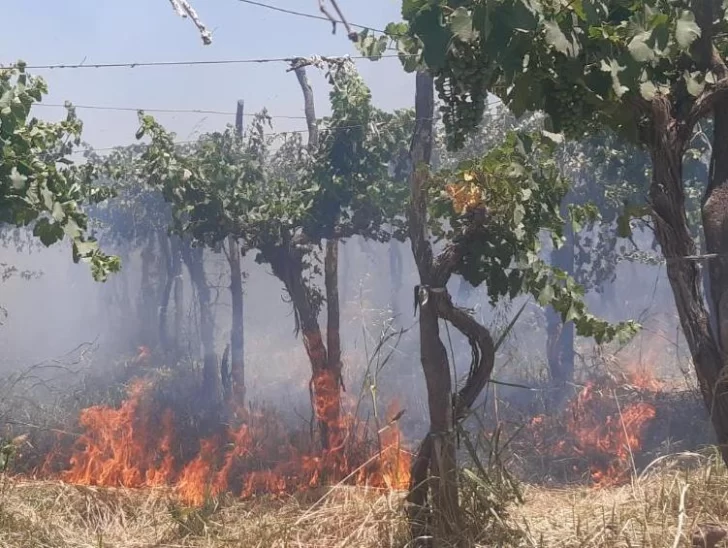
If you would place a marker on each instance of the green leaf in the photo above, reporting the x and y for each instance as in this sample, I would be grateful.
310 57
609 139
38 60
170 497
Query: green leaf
429 24
557 138
572 313
648 90
546 295
17 179
686 29
519 212
614 68
58 214
85 249
461 24
694 87
640 50
48 233
556 38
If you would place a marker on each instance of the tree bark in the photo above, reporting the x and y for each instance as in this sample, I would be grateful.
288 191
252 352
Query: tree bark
309 107
438 450
164 338
326 381
715 228
331 282
395 277
147 308
560 335
176 249
193 258
237 340
286 263
673 235
236 392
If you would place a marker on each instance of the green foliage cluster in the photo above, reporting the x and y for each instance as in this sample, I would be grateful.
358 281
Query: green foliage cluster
516 192
39 184
350 183
608 181
222 184
137 213
293 199
585 63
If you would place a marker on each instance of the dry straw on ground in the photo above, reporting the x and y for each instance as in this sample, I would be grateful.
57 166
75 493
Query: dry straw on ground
662 508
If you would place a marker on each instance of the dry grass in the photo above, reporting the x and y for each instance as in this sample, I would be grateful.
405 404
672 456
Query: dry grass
52 514
645 513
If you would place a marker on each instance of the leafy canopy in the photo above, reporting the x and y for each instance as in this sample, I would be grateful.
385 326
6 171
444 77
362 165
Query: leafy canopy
228 185
514 194
586 63
39 184
137 213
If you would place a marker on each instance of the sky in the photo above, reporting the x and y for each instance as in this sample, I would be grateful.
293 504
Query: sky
43 32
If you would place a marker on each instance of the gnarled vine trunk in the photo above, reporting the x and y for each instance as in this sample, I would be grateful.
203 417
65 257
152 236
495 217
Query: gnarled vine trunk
179 310
193 258
325 358
287 265
395 277
559 334
237 340
678 247
164 337
434 469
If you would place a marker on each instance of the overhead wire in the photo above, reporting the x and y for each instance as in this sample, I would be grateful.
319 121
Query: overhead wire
137 64
162 110
224 61
183 111
271 135
310 15
230 113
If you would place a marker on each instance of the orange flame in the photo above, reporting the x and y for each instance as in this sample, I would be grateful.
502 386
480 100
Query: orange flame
133 447
599 429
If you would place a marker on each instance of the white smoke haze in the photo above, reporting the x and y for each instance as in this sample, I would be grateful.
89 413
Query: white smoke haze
52 314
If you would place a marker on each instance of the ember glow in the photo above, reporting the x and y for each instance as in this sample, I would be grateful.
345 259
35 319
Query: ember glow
144 444
600 429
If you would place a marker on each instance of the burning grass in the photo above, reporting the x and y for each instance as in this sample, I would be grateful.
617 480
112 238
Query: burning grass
150 440
645 513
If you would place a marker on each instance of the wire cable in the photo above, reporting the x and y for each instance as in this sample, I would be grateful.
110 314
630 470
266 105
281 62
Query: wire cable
309 15
161 110
137 64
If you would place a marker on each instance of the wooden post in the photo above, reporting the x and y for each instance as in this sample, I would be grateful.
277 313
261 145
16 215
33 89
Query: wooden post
237 337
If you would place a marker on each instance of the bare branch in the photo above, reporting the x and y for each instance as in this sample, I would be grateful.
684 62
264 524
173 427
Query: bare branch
317 61
309 108
353 36
184 10
703 106
448 259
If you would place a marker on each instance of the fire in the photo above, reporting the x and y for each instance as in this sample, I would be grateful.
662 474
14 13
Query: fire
144 443
601 429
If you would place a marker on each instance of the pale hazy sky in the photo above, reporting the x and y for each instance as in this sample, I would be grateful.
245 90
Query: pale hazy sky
108 31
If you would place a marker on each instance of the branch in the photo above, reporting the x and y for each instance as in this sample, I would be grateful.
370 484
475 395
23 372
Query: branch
703 106
309 107
184 10
419 154
483 348
353 36
707 53
317 61
709 60
447 261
